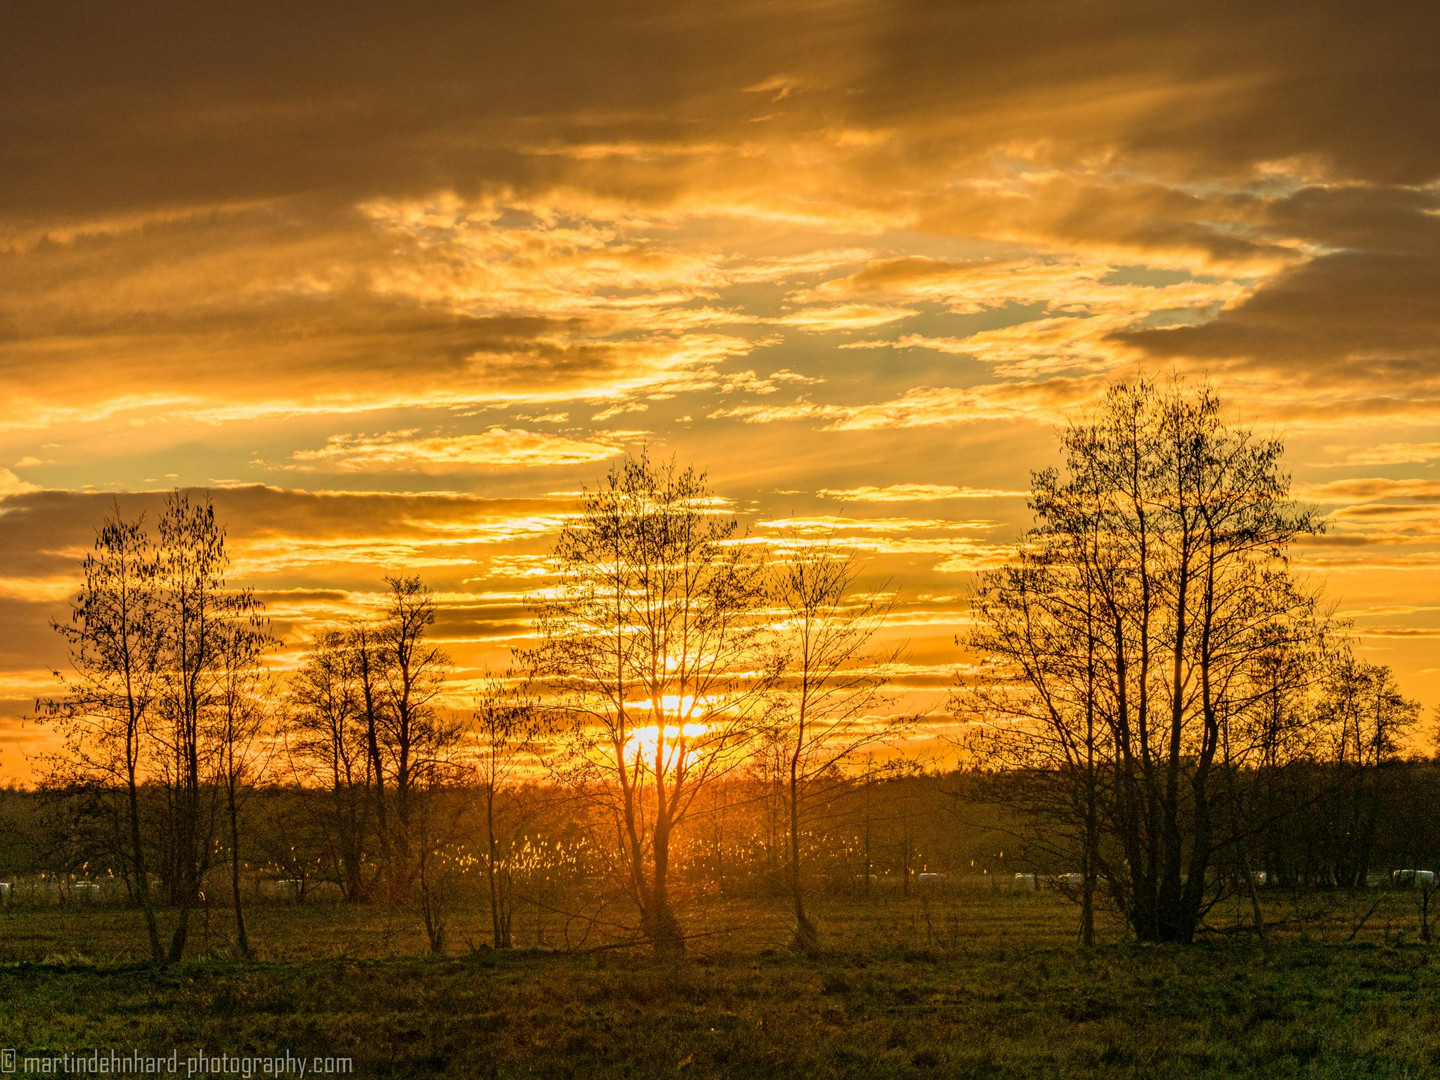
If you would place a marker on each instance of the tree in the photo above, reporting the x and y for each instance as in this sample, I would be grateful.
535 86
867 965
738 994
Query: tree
411 737
414 733
1128 641
505 725
830 686
329 746
1363 717
368 721
192 561
166 698
115 638
647 650
368 672
242 723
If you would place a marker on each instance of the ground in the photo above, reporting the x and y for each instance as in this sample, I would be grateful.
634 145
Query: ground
936 986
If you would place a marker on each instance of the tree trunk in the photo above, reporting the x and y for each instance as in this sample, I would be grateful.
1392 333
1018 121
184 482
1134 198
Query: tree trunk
142 875
662 929
242 943
806 938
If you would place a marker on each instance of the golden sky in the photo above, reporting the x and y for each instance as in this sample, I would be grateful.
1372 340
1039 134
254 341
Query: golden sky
397 280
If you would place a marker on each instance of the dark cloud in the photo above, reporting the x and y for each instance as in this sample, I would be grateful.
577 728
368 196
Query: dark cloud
197 170
1364 320
1203 88
121 107
257 510
1361 218
111 108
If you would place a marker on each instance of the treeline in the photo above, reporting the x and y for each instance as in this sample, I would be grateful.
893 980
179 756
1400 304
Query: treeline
872 836
172 721
1162 714
671 664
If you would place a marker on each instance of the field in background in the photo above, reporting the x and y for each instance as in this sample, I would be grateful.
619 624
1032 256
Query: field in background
946 918
951 983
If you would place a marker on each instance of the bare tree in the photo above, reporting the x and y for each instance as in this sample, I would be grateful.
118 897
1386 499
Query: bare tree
243 725
1132 633
329 746
115 635
414 731
369 722
1363 718
826 703
192 584
166 696
369 675
412 737
505 726
647 646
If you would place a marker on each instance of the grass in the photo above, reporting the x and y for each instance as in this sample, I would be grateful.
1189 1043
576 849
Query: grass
989 986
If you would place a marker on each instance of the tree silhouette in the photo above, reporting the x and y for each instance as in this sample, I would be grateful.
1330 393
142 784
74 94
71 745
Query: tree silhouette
1130 638
647 649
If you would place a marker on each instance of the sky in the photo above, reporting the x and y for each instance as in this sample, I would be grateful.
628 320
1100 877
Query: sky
395 281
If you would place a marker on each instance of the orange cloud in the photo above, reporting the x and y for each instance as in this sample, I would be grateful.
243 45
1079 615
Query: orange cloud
403 452
893 493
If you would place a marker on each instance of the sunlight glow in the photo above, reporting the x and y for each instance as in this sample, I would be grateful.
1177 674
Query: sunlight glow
642 742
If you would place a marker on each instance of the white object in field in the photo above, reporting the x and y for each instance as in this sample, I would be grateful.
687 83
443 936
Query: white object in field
1025 882
1070 880
1424 878
4 890
280 889
930 879
85 890
1260 877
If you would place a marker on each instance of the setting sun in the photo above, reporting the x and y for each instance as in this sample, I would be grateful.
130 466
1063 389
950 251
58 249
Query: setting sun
643 742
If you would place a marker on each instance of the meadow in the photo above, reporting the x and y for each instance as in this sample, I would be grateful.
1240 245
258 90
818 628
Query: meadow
954 984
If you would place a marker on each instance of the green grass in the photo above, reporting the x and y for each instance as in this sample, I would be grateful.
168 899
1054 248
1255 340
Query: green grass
968 986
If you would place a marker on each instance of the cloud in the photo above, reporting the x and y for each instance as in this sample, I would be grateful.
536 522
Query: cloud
403 452
1033 348
1361 324
1387 454
843 317
1371 489
837 524
1048 401
1059 284
10 484
892 493
358 235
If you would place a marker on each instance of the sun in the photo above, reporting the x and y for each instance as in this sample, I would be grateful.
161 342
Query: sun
642 742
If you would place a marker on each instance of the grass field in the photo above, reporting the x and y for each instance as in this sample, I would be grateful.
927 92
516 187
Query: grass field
983 986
